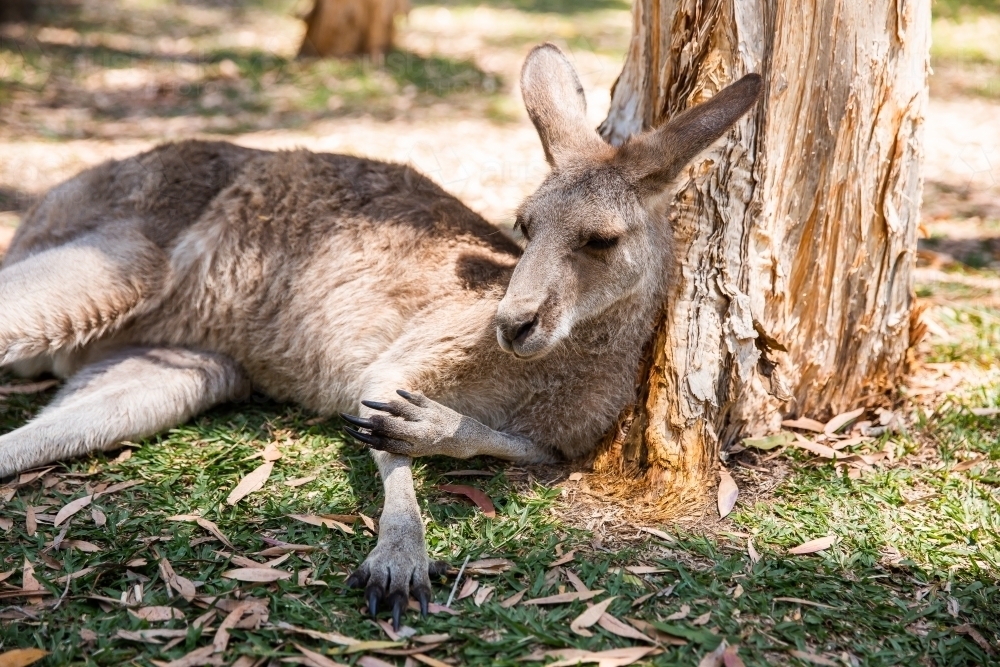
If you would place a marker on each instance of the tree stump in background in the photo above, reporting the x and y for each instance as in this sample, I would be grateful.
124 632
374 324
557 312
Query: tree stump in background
795 238
351 27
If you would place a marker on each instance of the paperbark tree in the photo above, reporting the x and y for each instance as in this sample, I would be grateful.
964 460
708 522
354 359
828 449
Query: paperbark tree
351 27
795 237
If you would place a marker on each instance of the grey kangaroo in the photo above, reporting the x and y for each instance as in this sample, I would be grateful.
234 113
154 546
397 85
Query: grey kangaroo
186 276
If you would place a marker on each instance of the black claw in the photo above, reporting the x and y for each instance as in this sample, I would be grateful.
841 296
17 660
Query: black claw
381 407
364 437
357 421
424 599
397 611
373 603
405 394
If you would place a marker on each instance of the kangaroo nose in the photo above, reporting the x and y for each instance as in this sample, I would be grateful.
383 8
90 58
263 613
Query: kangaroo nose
517 329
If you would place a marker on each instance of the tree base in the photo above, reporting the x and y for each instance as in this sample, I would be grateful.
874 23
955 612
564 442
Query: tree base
339 28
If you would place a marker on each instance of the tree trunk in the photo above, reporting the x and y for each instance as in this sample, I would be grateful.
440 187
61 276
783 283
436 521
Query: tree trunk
795 237
351 27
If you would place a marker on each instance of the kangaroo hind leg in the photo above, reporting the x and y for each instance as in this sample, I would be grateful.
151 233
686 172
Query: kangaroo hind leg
63 297
132 394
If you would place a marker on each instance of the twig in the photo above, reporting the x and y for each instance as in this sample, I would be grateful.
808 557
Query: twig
457 579
65 592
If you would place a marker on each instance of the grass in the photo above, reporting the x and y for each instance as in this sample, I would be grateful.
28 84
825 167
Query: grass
915 565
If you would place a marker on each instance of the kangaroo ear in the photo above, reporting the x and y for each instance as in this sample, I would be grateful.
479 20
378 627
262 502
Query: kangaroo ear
658 156
554 99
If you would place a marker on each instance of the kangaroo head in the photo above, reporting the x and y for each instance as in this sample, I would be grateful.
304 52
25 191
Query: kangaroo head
595 229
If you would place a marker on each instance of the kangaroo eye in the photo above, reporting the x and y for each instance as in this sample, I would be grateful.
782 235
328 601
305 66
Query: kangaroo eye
601 242
521 227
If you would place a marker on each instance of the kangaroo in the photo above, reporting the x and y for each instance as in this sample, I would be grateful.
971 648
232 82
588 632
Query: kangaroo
186 276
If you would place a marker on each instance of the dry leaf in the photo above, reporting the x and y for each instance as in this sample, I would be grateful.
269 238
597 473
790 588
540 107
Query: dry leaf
681 614
369 523
703 619
618 657
252 482
468 588
427 660
21 657
575 476
299 481
814 659
752 552
566 558
622 629
181 584
812 546
287 548
197 658
98 516
738 591
816 448
489 566
576 582
75 575
314 520
482 595
157 614
30 524
770 442
82 545
658 533
7 575
806 602
221 639
257 574
590 617
433 608
644 569
805 424
513 599
271 453
28 582
315 634
120 486
72 508
6 524
475 495
731 659
714 658
842 420
372 661
565 597
317 659
87 635
977 637
728 492
206 524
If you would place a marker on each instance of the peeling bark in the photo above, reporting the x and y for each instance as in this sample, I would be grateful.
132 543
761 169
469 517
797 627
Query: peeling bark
795 236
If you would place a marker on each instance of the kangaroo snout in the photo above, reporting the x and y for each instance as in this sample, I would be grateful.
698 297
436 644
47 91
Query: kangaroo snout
514 329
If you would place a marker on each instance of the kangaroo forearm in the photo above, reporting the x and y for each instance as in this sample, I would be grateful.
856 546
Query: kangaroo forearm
473 438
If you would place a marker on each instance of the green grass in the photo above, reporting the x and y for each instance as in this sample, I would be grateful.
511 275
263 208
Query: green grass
879 610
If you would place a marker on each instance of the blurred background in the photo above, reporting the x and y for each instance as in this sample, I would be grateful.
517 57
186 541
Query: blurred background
82 81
